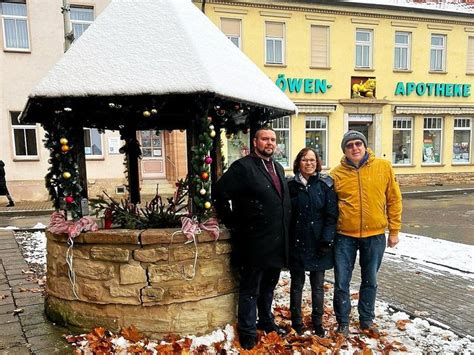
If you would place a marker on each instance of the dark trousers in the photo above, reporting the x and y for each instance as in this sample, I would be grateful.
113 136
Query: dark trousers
316 279
256 292
371 250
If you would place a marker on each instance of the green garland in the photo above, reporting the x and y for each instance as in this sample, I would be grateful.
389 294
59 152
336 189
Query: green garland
201 169
62 179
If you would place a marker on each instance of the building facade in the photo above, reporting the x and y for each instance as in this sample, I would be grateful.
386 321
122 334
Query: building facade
404 78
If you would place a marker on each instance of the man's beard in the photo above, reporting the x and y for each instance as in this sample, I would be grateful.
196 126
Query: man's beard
264 153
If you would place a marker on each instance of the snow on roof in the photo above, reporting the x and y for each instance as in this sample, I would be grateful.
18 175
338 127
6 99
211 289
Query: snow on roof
158 47
444 6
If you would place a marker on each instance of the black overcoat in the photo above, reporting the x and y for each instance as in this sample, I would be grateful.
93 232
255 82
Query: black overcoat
249 205
3 182
314 219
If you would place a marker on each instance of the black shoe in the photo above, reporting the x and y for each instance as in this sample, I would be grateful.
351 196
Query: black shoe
273 328
319 331
343 329
298 328
247 342
11 204
369 328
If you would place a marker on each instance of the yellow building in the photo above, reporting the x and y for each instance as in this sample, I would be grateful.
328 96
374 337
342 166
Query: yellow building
403 77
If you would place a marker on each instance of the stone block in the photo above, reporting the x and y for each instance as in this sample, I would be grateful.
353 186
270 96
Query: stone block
226 285
169 272
132 274
191 290
60 287
93 292
211 268
94 270
124 294
152 294
110 254
223 247
151 255
190 318
162 236
110 236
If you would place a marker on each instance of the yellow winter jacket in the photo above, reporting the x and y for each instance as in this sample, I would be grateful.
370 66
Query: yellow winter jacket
369 198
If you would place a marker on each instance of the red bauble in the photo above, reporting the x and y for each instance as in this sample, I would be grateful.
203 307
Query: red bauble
69 199
204 175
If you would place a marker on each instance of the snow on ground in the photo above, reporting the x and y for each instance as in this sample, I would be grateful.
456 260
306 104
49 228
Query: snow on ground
417 336
436 252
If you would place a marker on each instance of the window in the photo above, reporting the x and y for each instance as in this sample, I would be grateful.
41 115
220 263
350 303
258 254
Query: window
470 55
364 48
24 138
15 26
438 53
92 142
274 42
462 140
231 28
316 136
282 130
432 130
81 18
238 146
402 51
152 145
320 46
401 143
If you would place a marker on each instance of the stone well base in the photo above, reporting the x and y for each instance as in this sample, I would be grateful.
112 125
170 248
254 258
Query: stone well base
141 278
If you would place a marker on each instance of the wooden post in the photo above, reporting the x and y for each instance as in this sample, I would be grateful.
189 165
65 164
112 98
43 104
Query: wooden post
129 133
217 168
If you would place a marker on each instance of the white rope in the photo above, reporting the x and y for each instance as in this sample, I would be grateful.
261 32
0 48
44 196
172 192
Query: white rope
198 231
71 273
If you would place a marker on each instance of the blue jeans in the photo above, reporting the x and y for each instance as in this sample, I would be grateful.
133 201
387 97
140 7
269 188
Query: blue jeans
371 251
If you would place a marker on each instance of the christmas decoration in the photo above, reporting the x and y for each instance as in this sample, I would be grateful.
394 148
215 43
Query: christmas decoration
67 175
208 160
63 141
146 114
69 199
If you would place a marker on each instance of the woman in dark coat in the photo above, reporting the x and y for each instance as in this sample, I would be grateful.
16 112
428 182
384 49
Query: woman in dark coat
3 185
312 231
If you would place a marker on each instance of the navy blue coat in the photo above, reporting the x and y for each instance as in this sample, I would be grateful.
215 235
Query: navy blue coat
249 205
314 219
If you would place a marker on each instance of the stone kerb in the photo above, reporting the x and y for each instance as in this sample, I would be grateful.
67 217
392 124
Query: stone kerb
151 279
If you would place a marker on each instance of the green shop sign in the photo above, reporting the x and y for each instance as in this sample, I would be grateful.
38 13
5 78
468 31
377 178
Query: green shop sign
308 86
433 89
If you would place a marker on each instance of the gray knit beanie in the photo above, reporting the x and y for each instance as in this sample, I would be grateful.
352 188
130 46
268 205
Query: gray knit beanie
350 136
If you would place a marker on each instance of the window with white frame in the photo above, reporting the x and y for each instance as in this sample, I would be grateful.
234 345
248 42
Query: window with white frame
320 46
316 135
364 39
92 142
274 42
462 140
15 25
281 126
24 138
470 55
438 53
432 140
402 138
81 18
402 50
231 27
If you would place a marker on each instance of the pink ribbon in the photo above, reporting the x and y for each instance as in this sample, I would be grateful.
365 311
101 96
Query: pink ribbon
190 227
59 225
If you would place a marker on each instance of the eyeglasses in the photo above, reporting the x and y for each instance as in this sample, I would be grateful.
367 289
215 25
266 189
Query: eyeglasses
311 161
357 144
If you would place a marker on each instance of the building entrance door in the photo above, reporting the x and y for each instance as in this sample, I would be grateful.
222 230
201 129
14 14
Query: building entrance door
153 162
364 125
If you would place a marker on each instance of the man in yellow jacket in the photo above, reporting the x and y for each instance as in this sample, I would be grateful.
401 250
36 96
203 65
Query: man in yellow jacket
369 202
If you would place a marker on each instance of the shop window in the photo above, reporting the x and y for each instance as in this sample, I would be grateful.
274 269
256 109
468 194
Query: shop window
320 46
402 51
438 53
15 25
238 146
364 39
92 142
470 55
401 143
24 138
462 140
432 140
281 126
231 28
81 18
316 136
274 42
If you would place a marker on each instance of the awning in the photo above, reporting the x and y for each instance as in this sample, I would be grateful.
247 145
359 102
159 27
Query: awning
305 108
434 110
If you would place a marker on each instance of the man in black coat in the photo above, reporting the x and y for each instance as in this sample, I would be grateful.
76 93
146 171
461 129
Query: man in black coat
252 200
3 185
